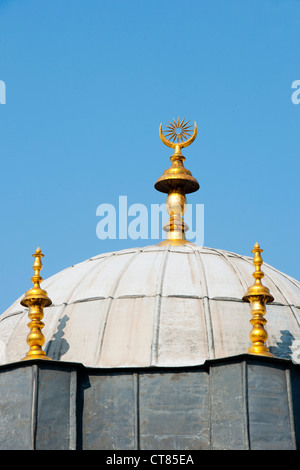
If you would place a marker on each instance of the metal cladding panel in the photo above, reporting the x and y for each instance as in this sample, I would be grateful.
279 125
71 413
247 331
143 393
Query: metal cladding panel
295 395
17 337
174 410
38 406
6 328
222 278
16 409
269 408
64 284
230 327
81 324
109 417
281 321
180 335
284 288
54 409
172 284
242 402
128 334
228 407
140 275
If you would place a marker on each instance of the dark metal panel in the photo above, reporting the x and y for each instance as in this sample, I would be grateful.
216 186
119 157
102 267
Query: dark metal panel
228 407
174 412
74 411
295 398
16 409
223 404
53 408
268 407
109 420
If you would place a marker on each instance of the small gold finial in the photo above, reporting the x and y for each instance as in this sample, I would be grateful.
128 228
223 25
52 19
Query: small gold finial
36 299
177 181
258 295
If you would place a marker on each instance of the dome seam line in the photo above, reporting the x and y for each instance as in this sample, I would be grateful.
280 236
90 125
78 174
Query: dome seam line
156 323
206 306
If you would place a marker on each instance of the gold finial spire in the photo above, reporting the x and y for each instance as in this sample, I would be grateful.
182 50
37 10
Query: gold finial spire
36 299
177 181
258 295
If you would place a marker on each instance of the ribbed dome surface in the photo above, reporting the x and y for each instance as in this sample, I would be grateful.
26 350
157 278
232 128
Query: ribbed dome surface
155 306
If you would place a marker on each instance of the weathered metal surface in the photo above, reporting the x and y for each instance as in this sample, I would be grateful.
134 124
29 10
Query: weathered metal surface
38 406
16 397
228 407
57 424
109 420
174 410
270 423
294 402
155 306
240 403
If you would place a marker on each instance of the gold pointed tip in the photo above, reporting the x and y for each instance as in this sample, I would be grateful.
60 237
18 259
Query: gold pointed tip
38 253
257 248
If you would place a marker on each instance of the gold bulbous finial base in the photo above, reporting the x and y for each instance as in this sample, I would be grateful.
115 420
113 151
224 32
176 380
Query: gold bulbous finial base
36 299
35 338
260 350
258 296
32 356
177 175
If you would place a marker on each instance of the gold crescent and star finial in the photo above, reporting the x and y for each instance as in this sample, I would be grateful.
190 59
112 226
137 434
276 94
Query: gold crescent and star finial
177 181
179 133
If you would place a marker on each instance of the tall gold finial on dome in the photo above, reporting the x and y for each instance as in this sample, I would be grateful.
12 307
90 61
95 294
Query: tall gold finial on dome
258 295
177 181
36 299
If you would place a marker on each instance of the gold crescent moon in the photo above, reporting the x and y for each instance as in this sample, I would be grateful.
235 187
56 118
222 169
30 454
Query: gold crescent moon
181 145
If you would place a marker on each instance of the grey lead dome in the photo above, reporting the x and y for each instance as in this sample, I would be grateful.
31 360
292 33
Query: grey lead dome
155 306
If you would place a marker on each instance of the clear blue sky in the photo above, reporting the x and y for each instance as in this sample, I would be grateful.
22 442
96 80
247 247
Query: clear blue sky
87 85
